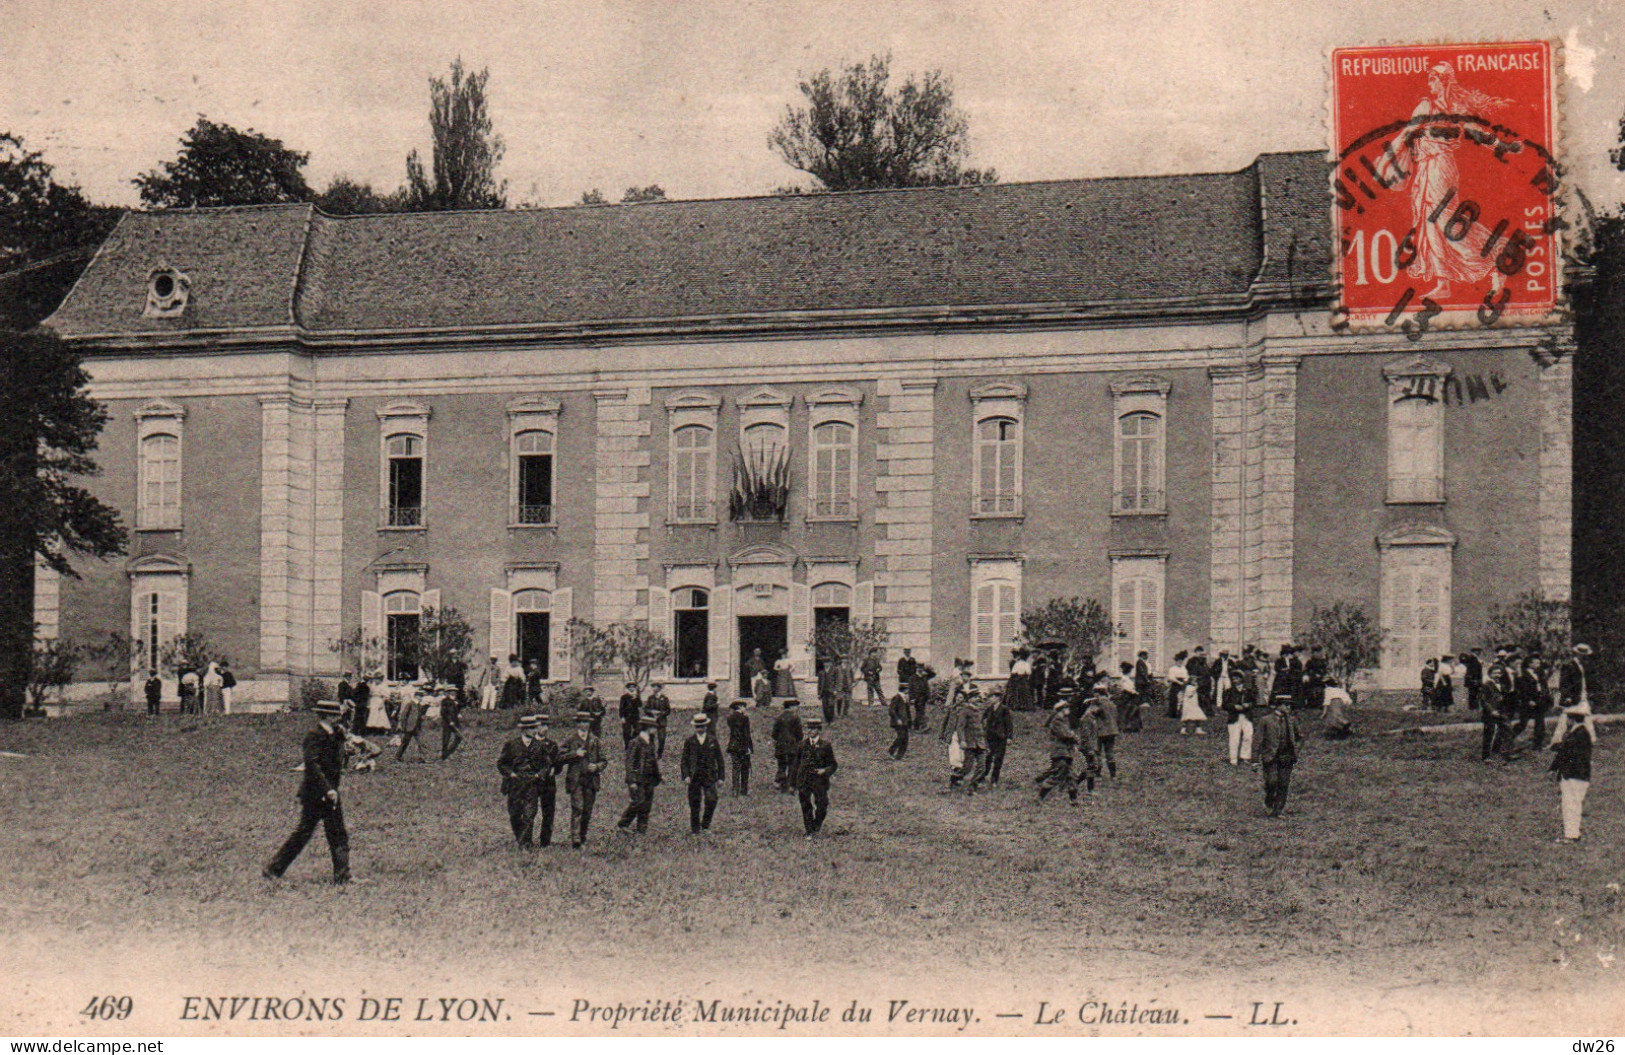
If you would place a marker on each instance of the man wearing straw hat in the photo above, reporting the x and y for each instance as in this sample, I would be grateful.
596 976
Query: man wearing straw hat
323 752
703 769
1572 740
524 759
583 757
642 776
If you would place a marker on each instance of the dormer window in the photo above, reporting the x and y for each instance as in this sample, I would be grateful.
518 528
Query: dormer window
167 293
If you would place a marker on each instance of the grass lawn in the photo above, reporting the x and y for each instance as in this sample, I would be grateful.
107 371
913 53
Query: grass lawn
1408 888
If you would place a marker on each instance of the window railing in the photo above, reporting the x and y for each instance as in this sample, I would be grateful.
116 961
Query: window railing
834 508
693 511
1141 501
404 516
1000 504
162 518
535 514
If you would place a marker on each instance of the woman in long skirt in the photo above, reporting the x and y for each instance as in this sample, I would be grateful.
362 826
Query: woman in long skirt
784 678
1018 690
213 702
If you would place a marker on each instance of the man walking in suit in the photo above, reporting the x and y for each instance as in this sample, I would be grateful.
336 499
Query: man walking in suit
642 777
1063 743
451 721
323 752
815 764
999 725
787 736
702 768
412 725
631 711
583 756
1277 751
902 719
906 664
740 747
154 689
659 705
521 763
919 693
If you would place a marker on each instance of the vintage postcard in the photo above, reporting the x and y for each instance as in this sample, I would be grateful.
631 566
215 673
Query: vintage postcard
944 519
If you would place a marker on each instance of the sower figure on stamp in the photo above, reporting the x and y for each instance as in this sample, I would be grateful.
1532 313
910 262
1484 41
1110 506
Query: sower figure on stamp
787 736
1063 742
521 763
642 776
702 768
815 764
323 752
740 747
1277 752
583 757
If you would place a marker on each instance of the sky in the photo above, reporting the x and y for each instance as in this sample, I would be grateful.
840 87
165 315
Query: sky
683 94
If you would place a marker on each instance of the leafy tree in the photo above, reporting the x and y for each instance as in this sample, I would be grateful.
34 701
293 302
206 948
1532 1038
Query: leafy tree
1349 638
847 643
593 197
466 150
50 672
346 197
640 651
48 430
444 640
855 133
1080 623
636 195
114 659
220 165
192 651
1529 622
358 653
48 233
593 648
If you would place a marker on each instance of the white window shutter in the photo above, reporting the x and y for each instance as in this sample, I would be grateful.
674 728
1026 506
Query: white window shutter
863 602
1126 632
171 615
1151 619
720 624
372 629
801 629
1009 622
501 625
430 599
985 619
660 620
558 628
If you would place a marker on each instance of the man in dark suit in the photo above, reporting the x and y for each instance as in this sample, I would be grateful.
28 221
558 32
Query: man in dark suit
999 724
1277 751
154 689
451 721
596 710
919 692
815 764
703 769
1201 672
902 719
1315 672
583 756
522 762
659 705
787 737
711 707
631 710
740 747
1474 678
642 776
906 663
323 752
1571 678
1144 684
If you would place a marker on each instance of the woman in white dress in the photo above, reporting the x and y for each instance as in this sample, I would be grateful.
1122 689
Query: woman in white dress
213 683
1191 715
377 709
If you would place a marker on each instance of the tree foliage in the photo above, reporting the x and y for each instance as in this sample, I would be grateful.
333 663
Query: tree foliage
359 652
640 651
593 648
1080 623
466 149
444 640
346 197
1348 636
853 132
193 651
1531 622
846 643
638 195
221 165
48 233
51 670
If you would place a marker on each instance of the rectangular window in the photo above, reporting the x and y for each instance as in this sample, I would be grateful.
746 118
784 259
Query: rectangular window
1415 611
998 467
405 481
1140 441
834 465
1416 431
995 615
1137 608
534 502
160 505
157 612
693 455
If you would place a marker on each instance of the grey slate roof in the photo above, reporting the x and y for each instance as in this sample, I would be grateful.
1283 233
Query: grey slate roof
1069 242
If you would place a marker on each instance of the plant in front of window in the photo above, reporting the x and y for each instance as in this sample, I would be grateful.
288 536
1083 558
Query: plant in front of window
1531 621
1350 639
846 643
592 647
761 487
640 651
359 653
1079 623
192 651
444 640
52 669
114 658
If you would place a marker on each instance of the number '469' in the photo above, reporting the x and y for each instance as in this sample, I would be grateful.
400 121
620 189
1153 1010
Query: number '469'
108 1008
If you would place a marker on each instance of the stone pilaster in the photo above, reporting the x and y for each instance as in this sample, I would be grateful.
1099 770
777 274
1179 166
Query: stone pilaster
327 534
621 504
1556 475
286 462
47 602
1233 394
1278 456
904 489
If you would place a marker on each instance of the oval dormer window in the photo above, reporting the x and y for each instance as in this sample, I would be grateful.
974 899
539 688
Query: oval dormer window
167 293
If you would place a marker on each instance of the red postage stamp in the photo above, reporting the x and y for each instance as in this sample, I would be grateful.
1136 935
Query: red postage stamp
1445 187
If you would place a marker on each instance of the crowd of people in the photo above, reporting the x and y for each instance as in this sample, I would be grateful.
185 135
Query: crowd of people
1085 712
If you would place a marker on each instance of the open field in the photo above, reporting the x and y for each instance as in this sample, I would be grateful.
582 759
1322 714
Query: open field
1408 887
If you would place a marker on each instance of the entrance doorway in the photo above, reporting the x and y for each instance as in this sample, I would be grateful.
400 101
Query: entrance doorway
533 637
771 634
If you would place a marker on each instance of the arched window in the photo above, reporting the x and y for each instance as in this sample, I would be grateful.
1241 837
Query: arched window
998 466
1139 463
693 450
534 478
765 439
834 465
160 500
405 454
401 614
691 626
